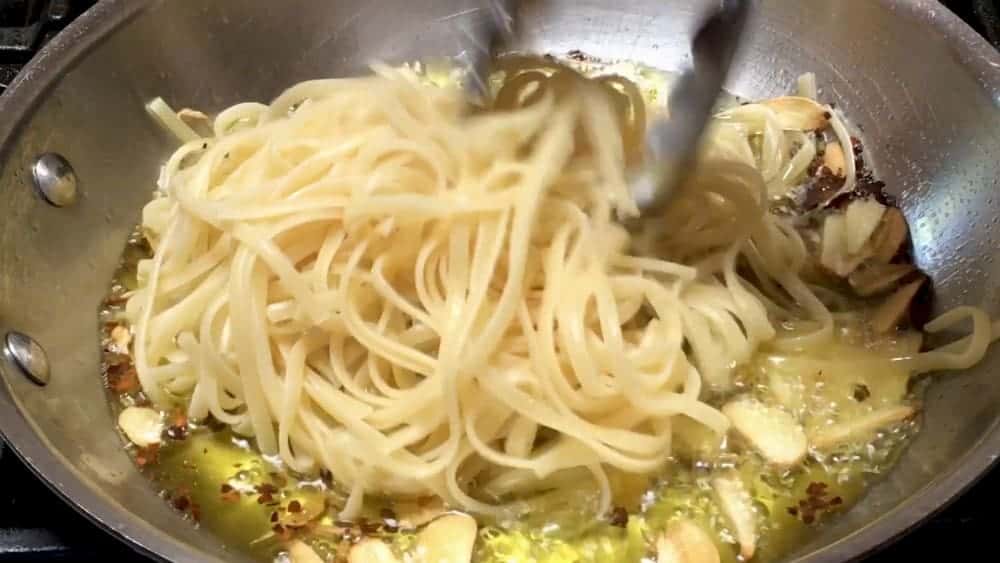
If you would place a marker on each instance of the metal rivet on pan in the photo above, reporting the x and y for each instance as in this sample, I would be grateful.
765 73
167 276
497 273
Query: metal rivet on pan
55 179
28 356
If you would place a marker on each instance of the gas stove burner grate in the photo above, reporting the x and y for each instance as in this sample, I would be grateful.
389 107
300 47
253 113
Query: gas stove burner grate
26 25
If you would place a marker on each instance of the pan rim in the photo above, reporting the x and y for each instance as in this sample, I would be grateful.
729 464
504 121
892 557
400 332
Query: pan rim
32 85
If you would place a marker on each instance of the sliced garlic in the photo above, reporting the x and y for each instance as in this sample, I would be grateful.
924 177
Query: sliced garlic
834 244
860 428
893 310
807 86
143 426
300 552
833 159
796 113
448 539
193 116
770 430
890 236
685 542
415 513
737 506
121 337
878 277
371 550
862 217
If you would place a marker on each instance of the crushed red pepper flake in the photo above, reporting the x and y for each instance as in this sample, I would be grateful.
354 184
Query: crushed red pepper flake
147 455
815 504
295 507
816 488
229 494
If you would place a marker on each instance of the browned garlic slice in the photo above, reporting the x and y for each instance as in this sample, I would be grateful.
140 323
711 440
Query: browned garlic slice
799 114
770 430
121 337
862 217
890 236
833 159
894 309
876 278
143 426
300 552
860 428
371 550
737 506
448 539
685 542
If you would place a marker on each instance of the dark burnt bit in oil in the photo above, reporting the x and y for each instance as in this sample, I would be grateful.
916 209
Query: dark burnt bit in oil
266 492
228 493
816 503
389 520
618 517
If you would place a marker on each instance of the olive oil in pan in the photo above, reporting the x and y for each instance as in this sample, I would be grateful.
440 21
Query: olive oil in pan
253 504
756 500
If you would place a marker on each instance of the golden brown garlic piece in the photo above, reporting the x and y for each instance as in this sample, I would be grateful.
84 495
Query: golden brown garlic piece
860 428
895 309
685 542
773 432
448 539
796 113
737 507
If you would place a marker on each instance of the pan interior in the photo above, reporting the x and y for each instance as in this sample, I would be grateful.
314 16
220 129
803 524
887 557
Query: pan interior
925 102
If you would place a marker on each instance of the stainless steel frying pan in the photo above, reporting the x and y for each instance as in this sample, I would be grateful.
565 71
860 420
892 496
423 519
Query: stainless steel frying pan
923 88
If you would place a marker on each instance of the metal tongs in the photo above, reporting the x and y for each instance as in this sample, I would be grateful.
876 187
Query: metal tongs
672 143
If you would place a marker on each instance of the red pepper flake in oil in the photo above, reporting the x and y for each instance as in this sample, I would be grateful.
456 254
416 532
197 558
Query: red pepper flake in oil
123 379
295 507
266 492
147 456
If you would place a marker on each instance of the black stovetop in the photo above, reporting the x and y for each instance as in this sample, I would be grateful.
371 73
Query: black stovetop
35 525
